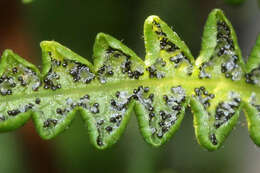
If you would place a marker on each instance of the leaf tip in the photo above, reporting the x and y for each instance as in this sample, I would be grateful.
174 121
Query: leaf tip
216 11
101 34
151 18
45 44
7 52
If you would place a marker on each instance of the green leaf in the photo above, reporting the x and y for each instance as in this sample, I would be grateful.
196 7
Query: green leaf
216 86
219 60
168 62
252 103
19 80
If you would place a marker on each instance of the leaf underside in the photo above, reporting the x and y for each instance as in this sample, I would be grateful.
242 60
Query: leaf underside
217 85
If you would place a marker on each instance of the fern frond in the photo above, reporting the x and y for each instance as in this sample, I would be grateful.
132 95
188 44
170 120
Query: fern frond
217 85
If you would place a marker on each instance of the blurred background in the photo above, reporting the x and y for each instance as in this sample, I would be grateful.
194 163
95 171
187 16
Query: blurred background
75 23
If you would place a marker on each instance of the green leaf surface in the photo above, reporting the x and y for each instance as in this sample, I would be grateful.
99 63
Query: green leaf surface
217 86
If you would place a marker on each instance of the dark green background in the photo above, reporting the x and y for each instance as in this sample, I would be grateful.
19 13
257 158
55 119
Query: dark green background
75 23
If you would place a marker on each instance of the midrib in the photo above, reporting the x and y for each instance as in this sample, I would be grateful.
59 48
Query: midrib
245 90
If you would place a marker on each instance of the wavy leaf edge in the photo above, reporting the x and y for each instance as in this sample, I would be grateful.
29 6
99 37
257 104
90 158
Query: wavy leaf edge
216 85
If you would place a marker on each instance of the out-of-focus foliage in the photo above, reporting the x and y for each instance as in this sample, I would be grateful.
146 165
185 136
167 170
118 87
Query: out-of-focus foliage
27 1
75 24
235 2
238 2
